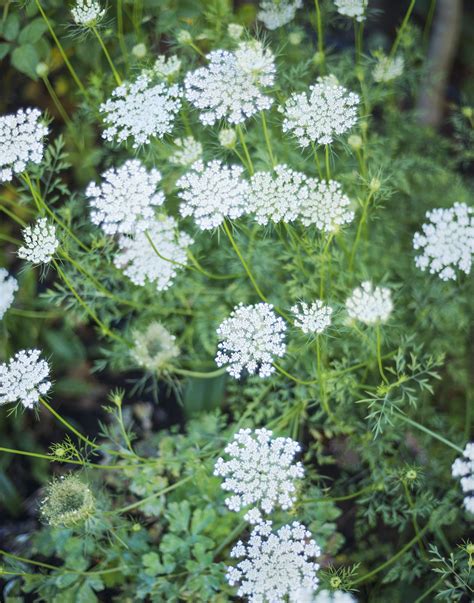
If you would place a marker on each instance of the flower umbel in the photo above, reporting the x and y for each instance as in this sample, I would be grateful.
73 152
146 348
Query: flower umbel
261 471
370 304
87 13
463 467
312 318
24 379
276 13
8 288
249 339
325 205
387 69
188 151
155 348
352 8
40 242
69 502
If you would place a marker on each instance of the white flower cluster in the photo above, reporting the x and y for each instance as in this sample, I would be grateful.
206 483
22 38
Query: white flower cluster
141 110
352 8
166 67
328 111
463 467
87 13
155 347
124 202
276 13
229 87
370 305
312 318
249 339
261 471
277 196
227 138
325 205
387 69
276 565
21 142
141 263
8 288
24 379
447 241
213 192
334 596
40 242
188 152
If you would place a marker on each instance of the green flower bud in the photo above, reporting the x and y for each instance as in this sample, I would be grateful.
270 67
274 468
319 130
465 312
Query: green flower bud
42 70
355 142
139 51
69 502
184 37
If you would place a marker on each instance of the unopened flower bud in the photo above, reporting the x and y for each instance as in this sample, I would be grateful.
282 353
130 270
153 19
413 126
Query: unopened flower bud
139 51
355 142
184 37
42 70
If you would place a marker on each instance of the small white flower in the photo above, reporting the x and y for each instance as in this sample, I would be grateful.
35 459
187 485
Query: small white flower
275 13
249 339
229 87
235 31
139 50
261 472
370 305
447 241
87 13
125 199
463 467
388 69
352 8
166 67
325 206
140 111
142 264
334 596
227 138
328 111
155 347
213 192
188 152
312 318
21 142
24 379
276 565
8 288
277 196
40 242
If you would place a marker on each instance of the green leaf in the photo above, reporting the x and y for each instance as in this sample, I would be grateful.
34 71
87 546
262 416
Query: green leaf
4 50
25 58
11 27
32 32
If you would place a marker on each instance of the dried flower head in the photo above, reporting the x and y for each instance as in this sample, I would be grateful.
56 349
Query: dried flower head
167 67
446 241
463 467
188 151
142 264
155 348
87 13
261 471
249 339
140 111
352 8
40 242
230 86
312 318
213 192
21 142
276 565
24 378
68 503
8 288
325 206
370 304
328 111
277 196
276 13
387 68
125 199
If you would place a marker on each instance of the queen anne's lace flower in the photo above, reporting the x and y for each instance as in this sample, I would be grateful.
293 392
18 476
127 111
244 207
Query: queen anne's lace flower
275 13
334 596
370 305
213 192
463 467
124 202
140 261
235 30
325 205
24 379
154 348
227 138
188 152
447 241
8 288
141 110
352 8
229 87
387 69
277 196
40 242
250 338
328 111
276 566
21 142
312 318
261 471
166 67
87 13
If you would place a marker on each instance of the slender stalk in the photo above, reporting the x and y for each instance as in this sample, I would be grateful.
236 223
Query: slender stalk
416 527
360 226
121 38
197 49
198 374
58 104
292 377
359 36
246 151
428 431
13 216
117 77
267 138
4 237
397 40
32 313
230 538
217 277
328 164
325 258
319 29
316 160
423 596
379 354
322 384
429 21
340 498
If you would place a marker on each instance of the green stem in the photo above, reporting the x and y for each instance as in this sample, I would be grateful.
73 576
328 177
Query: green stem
217 277
32 313
4 237
246 151
322 385
197 49
430 589
340 498
267 139
360 226
416 527
379 354
316 161
358 32
197 374
328 165
293 378
424 429
58 104
397 41
319 28
429 21
117 77
325 262
121 38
